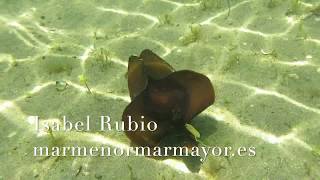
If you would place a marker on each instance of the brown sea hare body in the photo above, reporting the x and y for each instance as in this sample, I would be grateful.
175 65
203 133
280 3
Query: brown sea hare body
160 94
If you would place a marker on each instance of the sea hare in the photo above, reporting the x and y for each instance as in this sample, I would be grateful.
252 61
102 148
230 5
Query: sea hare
168 97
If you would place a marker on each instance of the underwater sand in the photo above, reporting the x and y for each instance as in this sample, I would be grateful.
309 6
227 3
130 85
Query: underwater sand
262 58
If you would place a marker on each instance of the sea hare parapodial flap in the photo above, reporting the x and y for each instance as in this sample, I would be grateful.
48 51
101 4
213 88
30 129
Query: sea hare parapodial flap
160 94
136 109
199 91
137 79
155 67
147 66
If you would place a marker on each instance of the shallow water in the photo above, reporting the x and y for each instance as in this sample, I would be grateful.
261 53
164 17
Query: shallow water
261 56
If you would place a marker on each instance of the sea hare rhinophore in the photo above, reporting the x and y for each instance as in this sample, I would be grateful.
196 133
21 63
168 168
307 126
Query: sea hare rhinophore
168 97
